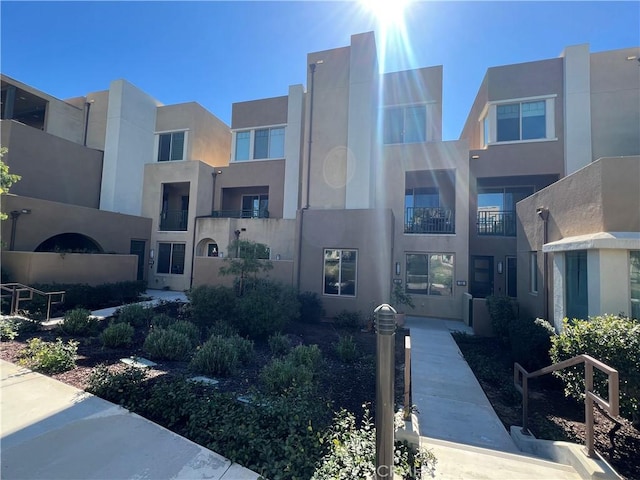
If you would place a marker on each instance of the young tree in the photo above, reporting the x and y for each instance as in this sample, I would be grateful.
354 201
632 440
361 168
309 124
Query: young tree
250 259
6 179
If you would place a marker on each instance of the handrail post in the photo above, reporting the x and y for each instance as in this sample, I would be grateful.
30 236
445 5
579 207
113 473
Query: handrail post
588 408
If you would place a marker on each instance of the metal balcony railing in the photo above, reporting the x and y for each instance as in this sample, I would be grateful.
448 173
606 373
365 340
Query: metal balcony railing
173 220
429 220
521 377
247 213
497 223
23 293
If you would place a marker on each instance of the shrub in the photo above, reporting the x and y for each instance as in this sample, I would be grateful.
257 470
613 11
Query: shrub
49 357
167 344
610 339
311 308
117 335
346 349
349 319
9 328
189 329
282 375
124 387
308 355
221 329
502 312
279 344
79 322
208 305
530 342
221 356
162 320
266 308
135 315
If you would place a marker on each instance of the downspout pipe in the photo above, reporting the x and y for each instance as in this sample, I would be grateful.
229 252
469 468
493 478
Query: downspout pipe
543 213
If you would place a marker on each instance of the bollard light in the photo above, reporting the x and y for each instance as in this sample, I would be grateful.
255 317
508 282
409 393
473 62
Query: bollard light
385 325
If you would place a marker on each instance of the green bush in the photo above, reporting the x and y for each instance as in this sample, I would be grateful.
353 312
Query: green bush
266 308
162 320
346 349
614 341
189 329
49 357
502 312
298 370
124 387
352 453
9 328
117 335
311 308
167 344
349 319
208 305
221 329
279 344
530 342
135 315
79 322
308 355
221 356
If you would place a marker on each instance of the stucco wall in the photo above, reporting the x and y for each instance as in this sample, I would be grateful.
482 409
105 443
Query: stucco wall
93 269
207 272
260 113
51 168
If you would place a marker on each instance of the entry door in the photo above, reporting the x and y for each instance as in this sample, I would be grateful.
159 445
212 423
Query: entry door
138 248
576 285
481 276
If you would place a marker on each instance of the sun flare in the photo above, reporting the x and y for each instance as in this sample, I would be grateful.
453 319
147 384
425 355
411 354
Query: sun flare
388 13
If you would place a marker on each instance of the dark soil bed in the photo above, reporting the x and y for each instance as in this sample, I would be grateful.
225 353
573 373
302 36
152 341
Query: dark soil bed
552 416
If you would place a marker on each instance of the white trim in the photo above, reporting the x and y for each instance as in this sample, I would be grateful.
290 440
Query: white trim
532 140
522 99
593 241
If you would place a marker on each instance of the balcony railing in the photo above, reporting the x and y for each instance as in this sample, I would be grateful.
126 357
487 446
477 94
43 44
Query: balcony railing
250 213
173 220
497 223
429 220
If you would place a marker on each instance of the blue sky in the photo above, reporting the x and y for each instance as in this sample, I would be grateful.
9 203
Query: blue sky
217 53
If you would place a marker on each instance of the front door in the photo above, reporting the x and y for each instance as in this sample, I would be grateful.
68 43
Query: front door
481 285
138 248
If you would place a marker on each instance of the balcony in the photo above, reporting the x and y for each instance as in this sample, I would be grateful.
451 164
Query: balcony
246 213
429 220
173 220
497 223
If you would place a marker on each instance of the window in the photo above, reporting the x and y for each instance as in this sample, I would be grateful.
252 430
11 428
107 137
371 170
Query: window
634 280
497 209
255 206
430 274
517 121
242 145
340 272
405 124
171 146
212 250
171 258
260 144
533 272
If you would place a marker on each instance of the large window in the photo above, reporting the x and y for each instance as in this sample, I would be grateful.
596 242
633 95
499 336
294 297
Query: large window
170 146
255 206
497 209
340 272
430 273
634 280
405 124
260 144
171 258
518 121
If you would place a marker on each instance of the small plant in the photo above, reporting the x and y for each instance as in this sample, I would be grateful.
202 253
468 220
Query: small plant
209 305
502 312
117 335
190 330
124 387
279 344
135 314
311 308
349 319
400 298
9 329
167 344
283 374
49 357
79 322
162 320
221 356
346 349
308 355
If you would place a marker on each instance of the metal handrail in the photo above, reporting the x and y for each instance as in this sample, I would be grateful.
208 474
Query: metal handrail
16 289
611 406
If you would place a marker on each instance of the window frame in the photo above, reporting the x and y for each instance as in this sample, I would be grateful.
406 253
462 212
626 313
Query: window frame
634 272
429 290
251 154
339 293
172 257
400 134
171 133
533 273
488 120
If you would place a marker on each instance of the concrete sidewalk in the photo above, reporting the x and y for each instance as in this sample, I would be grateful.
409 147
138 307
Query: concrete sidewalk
51 430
